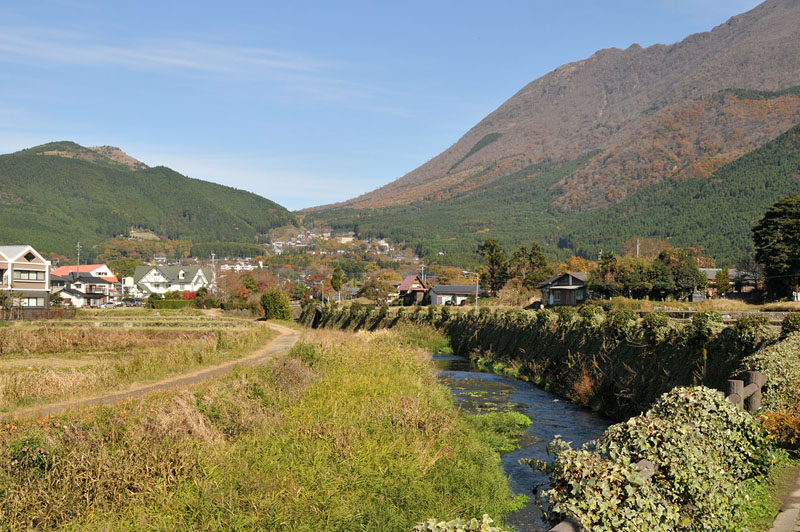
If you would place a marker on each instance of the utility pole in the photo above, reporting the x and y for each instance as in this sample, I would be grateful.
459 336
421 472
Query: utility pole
214 269
423 271
637 248
78 247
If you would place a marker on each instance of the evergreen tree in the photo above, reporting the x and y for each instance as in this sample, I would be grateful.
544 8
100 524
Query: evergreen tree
723 281
777 241
495 276
275 303
337 280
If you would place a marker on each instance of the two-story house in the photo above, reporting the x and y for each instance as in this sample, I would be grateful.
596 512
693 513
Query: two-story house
79 289
109 285
163 279
24 277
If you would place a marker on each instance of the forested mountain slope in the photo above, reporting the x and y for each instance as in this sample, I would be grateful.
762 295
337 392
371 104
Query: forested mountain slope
716 213
611 136
54 195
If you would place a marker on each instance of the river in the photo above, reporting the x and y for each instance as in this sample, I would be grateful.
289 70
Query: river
478 392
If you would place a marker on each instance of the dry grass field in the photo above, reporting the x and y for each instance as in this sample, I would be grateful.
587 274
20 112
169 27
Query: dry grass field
103 351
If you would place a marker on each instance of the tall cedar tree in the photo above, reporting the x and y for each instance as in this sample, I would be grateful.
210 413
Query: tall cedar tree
337 280
723 281
496 274
777 241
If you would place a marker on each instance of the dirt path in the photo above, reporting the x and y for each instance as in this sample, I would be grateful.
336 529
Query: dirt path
277 346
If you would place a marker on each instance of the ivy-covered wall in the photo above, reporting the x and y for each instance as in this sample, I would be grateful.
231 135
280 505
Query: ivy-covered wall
613 362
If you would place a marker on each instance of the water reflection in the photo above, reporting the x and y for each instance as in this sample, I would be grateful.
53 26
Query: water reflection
478 392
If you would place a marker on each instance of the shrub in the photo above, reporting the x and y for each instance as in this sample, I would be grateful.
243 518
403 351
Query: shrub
621 322
780 362
696 482
705 325
275 303
750 331
459 525
782 428
170 303
790 324
655 326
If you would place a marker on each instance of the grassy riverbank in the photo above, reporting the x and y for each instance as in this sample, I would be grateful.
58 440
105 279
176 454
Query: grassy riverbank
350 432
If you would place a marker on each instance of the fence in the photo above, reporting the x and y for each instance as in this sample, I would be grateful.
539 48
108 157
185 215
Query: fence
743 393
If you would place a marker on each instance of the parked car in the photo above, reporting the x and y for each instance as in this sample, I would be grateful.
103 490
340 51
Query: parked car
108 305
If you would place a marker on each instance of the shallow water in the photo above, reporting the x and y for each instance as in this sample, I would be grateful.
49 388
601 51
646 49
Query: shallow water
478 392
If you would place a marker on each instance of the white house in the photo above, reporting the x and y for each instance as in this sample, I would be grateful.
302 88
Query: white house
163 279
79 289
442 294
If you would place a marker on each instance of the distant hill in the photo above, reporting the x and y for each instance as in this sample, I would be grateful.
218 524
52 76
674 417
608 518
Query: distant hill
594 133
52 196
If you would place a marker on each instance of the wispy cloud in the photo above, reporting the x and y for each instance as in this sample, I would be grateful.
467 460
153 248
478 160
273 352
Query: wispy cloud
64 48
305 78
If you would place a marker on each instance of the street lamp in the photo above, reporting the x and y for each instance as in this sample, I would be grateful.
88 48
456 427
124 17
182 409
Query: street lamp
464 272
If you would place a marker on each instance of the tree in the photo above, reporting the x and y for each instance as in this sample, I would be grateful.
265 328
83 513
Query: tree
777 243
530 266
124 267
723 281
496 273
337 279
604 279
275 303
675 273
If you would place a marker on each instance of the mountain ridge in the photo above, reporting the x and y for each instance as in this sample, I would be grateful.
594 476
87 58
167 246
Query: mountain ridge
602 101
57 193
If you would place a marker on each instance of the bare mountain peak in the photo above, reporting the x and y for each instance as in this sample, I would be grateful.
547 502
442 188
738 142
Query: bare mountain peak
104 155
117 155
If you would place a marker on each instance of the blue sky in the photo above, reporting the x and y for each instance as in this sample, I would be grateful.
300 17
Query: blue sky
301 102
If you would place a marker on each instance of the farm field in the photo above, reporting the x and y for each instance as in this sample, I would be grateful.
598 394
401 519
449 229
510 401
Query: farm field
49 361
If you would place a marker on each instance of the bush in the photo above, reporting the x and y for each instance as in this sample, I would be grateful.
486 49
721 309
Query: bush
170 303
790 324
751 331
780 362
621 322
655 326
275 303
782 428
459 525
698 471
705 325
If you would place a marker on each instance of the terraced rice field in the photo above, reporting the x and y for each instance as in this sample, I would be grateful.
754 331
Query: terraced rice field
47 361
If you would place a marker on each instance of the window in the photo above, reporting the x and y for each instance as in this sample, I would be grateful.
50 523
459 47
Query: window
26 275
32 301
29 256
181 274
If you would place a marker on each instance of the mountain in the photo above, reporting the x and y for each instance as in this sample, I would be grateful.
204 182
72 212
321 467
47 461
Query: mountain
596 132
52 196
